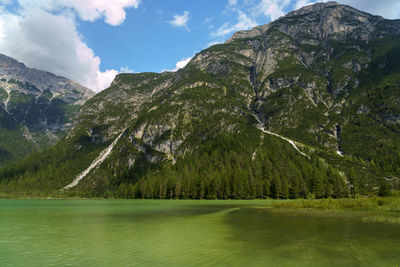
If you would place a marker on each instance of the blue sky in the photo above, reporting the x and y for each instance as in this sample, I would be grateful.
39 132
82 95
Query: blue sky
91 41
146 41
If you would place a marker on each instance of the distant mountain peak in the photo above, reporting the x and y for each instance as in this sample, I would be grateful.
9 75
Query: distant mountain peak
9 62
296 107
313 8
323 19
36 107
43 80
335 7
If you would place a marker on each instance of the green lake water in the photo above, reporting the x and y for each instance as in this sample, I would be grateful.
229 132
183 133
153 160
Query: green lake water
187 233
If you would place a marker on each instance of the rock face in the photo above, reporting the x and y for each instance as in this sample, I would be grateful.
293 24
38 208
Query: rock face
324 21
36 107
305 75
326 76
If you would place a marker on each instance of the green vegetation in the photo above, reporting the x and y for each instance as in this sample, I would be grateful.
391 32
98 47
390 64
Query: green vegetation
222 168
14 146
3 94
390 204
192 134
44 173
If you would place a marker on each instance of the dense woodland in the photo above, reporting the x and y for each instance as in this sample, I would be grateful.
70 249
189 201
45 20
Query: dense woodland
276 172
345 98
222 168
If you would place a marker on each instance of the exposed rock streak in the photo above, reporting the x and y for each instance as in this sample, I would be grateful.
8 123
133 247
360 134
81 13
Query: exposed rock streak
7 101
97 162
261 127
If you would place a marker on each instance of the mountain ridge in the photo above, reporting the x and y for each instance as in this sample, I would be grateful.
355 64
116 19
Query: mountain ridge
224 126
36 107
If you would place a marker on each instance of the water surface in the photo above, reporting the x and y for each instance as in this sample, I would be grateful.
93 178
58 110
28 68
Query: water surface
187 233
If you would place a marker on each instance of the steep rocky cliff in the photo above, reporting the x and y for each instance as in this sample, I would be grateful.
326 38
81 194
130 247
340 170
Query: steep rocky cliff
299 103
36 108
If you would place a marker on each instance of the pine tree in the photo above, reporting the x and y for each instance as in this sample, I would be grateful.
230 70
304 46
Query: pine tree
316 184
276 186
384 188
285 188
294 189
123 191
353 183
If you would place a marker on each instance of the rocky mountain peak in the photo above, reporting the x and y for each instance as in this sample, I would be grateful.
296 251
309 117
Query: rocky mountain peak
70 91
326 9
320 21
313 8
36 107
8 62
317 87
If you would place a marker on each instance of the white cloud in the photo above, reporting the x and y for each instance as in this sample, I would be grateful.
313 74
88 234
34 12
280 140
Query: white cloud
90 10
103 79
272 8
126 70
233 2
43 35
243 23
58 49
302 3
214 43
181 20
257 12
389 9
208 20
180 64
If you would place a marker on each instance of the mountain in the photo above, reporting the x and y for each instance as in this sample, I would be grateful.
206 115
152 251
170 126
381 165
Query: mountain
36 108
307 105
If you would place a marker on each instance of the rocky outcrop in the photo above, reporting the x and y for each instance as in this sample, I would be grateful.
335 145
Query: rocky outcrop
321 21
306 77
38 106
37 82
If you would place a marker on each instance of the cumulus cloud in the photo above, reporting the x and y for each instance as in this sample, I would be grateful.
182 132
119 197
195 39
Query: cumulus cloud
233 2
43 35
258 12
389 9
301 3
181 20
180 64
243 23
275 8
272 8
126 70
90 10
214 43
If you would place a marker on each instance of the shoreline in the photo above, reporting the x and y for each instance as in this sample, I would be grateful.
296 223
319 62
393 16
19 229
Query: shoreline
362 203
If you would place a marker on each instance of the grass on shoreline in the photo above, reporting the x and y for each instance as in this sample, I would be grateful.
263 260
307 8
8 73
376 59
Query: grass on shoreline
363 203
391 204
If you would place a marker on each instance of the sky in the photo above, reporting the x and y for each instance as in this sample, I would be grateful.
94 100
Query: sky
91 41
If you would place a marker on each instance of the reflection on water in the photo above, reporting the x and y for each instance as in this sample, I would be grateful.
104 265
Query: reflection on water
324 239
189 233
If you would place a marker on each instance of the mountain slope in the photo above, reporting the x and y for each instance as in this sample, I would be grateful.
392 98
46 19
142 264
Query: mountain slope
269 113
36 108
340 69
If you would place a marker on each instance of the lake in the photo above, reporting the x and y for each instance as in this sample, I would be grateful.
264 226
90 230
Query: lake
187 233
